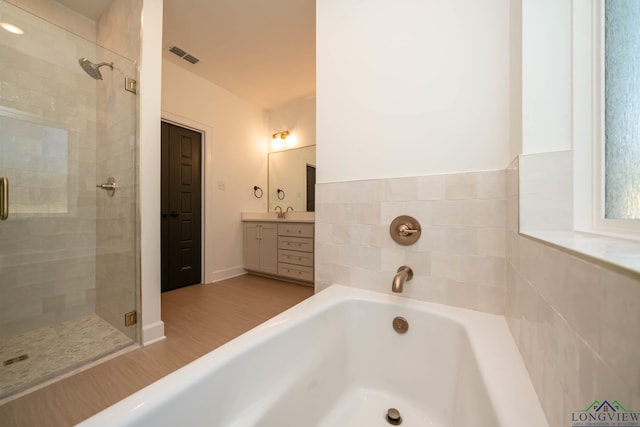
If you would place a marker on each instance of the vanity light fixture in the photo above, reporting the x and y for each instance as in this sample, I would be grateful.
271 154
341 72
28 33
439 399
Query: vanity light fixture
281 135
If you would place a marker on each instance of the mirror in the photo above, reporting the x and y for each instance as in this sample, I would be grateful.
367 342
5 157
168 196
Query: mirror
292 179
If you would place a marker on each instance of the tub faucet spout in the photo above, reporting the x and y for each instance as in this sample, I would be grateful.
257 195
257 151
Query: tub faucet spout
404 274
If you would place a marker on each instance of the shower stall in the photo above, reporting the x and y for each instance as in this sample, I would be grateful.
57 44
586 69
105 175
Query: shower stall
69 279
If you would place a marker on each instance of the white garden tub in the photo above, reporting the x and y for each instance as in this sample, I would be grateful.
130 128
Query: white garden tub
335 360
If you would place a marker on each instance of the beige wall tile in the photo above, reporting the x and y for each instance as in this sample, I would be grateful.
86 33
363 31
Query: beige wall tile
492 185
369 213
432 187
462 186
491 241
586 329
396 189
446 213
446 241
447 266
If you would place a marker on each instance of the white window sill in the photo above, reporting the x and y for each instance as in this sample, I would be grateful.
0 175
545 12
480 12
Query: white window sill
610 251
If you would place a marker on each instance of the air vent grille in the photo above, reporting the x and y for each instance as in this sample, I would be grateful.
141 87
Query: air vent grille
190 58
183 54
177 51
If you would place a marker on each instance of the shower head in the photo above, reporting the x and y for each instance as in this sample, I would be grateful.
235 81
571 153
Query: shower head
93 69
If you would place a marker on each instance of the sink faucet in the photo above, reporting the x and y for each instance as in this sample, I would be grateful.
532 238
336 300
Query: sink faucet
280 214
404 274
285 214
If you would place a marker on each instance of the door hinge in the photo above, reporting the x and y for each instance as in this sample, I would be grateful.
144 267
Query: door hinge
130 318
130 85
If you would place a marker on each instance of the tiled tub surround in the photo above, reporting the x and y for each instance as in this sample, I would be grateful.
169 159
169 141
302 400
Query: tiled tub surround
459 259
577 324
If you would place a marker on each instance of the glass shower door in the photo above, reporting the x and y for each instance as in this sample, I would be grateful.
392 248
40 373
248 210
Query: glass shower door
68 255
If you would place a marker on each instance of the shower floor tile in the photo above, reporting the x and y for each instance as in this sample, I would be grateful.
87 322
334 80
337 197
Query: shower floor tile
55 349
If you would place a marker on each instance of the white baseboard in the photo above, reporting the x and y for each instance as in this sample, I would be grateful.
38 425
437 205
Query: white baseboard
153 333
227 273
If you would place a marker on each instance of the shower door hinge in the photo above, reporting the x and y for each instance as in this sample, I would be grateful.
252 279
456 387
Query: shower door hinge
130 84
130 318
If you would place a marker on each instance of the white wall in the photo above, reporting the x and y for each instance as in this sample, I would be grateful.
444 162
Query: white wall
149 130
411 88
298 117
546 75
235 156
515 78
540 75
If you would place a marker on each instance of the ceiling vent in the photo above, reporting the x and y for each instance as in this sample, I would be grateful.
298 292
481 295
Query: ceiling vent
183 54
177 51
190 58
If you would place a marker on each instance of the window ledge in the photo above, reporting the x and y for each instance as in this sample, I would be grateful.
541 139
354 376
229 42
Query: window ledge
612 252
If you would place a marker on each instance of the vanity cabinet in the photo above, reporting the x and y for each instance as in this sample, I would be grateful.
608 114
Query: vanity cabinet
279 249
260 247
295 251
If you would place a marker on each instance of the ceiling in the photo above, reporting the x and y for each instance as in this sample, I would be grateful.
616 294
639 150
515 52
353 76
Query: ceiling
261 50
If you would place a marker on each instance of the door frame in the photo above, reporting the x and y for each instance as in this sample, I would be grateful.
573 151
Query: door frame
204 131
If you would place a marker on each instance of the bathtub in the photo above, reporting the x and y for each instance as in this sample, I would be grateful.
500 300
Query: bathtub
336 360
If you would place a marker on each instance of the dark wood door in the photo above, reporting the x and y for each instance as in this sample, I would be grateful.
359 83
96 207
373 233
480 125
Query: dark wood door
311 188
180 207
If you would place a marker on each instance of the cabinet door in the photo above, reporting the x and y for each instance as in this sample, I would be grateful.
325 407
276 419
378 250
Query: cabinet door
269 248
251 246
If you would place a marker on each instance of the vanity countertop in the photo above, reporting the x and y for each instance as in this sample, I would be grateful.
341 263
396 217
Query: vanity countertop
273 217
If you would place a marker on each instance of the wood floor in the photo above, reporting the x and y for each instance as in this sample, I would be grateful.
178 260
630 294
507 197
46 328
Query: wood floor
197 319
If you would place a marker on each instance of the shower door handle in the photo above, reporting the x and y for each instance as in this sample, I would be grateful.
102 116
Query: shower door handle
4 198
111 185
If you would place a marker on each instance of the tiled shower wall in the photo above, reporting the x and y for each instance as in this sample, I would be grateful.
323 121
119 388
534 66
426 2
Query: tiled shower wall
576 323
459 259
47 255
116 219
60 265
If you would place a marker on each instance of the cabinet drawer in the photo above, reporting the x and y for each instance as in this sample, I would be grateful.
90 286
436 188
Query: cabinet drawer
295 244
298 272
295 257
295 229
